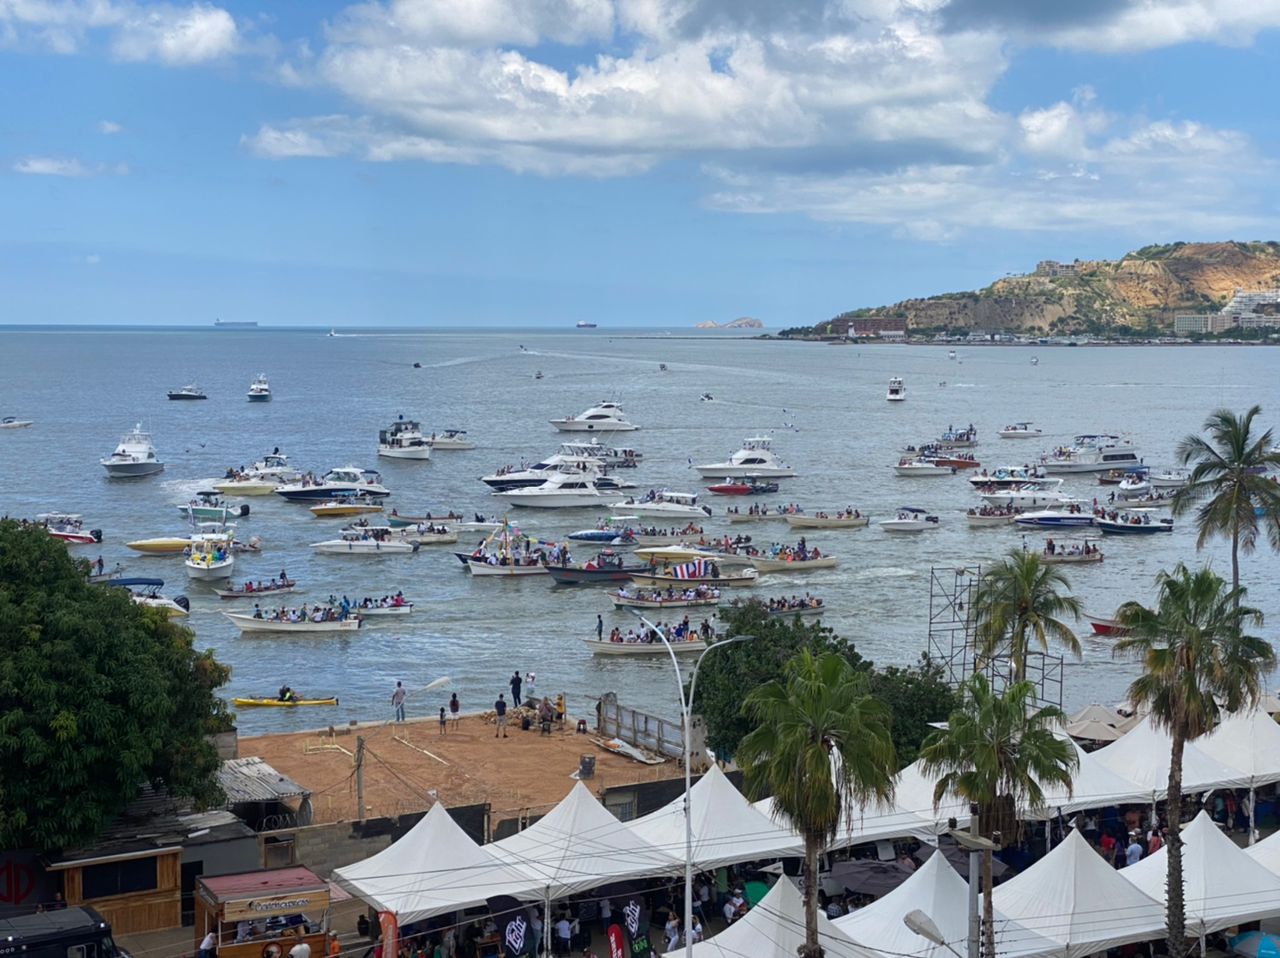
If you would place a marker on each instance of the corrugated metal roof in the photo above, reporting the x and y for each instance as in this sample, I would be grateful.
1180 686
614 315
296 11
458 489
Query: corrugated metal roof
274 881
253 780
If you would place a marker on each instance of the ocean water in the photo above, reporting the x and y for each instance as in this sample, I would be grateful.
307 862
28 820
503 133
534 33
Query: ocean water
824 405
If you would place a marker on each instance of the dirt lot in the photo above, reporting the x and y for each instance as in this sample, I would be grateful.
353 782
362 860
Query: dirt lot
408 762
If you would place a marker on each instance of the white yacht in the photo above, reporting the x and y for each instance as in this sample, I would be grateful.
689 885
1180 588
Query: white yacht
451 439
602 417
260 389
336 483
1024 497
755 458
922 467
1019 430
909 519
897 391
663 503
611 457
403 439
1092 453
134 457
1168 479
1007 476
563 490
274 466
539 472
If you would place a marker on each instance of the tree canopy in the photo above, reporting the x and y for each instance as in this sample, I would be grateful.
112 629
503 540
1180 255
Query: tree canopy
98 696
914 696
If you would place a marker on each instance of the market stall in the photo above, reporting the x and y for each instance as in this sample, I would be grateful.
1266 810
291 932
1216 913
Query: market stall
263 914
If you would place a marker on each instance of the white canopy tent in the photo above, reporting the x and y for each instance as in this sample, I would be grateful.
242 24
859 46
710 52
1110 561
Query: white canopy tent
578 845
434 869
726 827
938 891
1222 885
1075 898
774 928
1248 741
1143 755
1093 785
1267 853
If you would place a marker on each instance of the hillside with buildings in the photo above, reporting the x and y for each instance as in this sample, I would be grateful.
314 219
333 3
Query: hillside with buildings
1190 287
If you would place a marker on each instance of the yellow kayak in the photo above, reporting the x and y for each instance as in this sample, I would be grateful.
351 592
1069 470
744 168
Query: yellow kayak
254 703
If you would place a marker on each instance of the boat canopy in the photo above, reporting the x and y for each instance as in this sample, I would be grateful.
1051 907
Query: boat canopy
138 583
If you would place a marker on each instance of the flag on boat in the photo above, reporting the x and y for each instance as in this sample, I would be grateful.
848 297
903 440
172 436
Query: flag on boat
690 570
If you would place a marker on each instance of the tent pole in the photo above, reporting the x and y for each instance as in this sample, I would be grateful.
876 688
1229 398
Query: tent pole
547 930
1253 830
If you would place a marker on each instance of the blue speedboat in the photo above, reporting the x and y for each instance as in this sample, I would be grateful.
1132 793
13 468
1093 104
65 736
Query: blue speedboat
1134 522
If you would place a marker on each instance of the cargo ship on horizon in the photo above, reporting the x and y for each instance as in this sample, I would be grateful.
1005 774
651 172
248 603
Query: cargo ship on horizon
235 324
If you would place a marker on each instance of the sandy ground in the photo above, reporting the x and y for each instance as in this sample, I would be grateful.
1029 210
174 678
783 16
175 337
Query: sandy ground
409 764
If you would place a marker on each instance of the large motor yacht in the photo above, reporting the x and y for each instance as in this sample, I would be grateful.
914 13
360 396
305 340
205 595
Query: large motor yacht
563 490
897 392
1092 453
335 484
539 472
755 458
403 439
602 417
134 457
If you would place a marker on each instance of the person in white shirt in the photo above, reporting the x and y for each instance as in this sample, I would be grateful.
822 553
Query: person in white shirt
695 934
301 949
207 945
564 934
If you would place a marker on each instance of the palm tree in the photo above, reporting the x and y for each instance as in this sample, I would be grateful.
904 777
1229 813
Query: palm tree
998 751
1227 481
821 746
1197 663
1020 599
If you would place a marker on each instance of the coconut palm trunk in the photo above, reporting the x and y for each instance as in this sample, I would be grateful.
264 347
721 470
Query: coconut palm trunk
812 843
1177 917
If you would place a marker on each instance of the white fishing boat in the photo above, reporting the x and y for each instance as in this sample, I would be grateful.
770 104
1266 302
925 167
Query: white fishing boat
189 392
13 422
681 647
365 543
990 517
134 457
503 568
756 459
403 439
274 587
212 556
922 467
820 520
663 503
602 417
1071 552
250 623
451 439
910 519
260 389
678 577
897 391
212 509
376 611
335 484
1007 476
1018 497
427 535
246 487
1168 479
656 600
1091 453
762 516
1019 430
562 490
767 564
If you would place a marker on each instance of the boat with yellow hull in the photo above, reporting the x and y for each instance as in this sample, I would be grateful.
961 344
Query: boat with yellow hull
277 703
163 545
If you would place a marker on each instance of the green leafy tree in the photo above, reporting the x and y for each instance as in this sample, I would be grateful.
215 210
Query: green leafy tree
97 697
821 746
1019 600
998 751
1197 664
915 696
1227 483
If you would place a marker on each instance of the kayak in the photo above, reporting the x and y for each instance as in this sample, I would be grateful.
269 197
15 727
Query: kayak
252 703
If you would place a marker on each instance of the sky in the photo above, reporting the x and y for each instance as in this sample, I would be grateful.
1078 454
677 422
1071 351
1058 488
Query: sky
630 162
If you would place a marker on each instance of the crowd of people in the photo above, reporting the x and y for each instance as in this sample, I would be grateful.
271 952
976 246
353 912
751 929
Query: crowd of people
692 593
316 613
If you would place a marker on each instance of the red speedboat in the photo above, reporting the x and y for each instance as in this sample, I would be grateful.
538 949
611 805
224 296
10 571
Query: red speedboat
1102 626
68 527
743 487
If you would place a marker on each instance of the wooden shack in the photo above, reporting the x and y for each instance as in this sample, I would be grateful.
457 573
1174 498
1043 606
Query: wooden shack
263 914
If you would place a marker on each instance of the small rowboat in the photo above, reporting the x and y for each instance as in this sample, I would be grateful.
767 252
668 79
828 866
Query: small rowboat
1070 558
762 564
672 539
399 521
746 578
365 611
428 538
601 647
781 613
997 519
247 623
1103 626
265 702
826 522
340 508
634 602
483 568
739 517
242 594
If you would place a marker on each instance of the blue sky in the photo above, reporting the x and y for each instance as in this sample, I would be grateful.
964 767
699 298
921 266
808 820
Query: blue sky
636 162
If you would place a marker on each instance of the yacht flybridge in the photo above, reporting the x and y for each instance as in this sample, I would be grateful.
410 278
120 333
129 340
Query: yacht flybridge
755 458
602 417
403 439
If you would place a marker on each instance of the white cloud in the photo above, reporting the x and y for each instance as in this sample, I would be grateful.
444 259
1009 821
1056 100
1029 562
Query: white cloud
93 259
1148 25
51 166
135 31
109 127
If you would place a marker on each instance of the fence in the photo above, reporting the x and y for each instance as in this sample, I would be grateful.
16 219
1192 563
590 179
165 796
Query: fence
640 729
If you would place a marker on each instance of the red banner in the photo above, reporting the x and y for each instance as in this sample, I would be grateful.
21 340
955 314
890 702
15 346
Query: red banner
390 934
615 942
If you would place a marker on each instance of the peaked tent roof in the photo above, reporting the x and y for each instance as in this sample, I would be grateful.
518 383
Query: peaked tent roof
1093 785
1249 741
1092 731
726 827
774 928
1222 885
1267 853
1142 756
435 868
938 891
1096 713
1074 897
578 845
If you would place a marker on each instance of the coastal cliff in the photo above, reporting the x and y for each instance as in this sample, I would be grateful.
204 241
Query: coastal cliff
1142 290
743 322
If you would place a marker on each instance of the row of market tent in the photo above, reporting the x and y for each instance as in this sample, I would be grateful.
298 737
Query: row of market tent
436 869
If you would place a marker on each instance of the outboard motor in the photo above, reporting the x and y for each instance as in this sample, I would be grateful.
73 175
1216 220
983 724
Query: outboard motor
182 602
244 509
97 534
706 509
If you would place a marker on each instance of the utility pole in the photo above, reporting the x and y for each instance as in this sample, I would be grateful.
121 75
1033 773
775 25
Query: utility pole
360 781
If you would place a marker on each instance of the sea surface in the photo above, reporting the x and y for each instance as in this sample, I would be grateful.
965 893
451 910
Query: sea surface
824 406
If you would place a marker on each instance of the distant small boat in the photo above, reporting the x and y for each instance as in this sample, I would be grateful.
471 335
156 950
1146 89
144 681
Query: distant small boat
13 422
1035 361
605 647
189 391
583 324
897 391
1103 626
264 701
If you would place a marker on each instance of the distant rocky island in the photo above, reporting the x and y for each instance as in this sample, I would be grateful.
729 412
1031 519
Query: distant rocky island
1143 290
742 322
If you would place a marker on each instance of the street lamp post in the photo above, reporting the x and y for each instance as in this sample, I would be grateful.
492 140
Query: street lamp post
686 716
